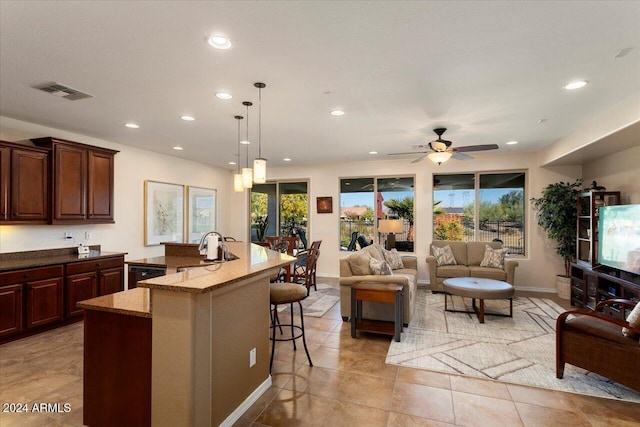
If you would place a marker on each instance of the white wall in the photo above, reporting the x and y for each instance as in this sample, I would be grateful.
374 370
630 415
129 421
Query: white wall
536 271
132 168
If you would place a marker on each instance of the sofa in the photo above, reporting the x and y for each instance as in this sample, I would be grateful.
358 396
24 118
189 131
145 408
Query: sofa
351 272
468 257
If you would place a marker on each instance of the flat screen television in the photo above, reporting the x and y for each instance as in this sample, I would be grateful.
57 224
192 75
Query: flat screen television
619 237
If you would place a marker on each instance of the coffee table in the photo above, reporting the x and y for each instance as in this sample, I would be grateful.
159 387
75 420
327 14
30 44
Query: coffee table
481 289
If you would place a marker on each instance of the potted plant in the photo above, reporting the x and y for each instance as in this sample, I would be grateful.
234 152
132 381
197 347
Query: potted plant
557 214
260 224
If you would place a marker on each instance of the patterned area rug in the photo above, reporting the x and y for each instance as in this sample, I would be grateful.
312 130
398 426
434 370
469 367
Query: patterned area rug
518 350
318 302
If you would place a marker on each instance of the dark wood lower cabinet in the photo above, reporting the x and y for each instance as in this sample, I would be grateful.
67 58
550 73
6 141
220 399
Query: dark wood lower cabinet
44 302
11 315
79 287
111 281
117 370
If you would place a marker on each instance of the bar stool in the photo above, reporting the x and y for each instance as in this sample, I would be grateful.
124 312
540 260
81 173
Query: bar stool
287 293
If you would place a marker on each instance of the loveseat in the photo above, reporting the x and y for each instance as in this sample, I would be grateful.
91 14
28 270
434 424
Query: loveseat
468 257
354 269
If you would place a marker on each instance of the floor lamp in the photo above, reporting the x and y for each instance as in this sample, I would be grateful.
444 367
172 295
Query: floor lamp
390 227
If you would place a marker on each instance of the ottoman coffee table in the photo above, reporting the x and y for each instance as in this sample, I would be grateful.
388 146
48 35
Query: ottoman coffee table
481 289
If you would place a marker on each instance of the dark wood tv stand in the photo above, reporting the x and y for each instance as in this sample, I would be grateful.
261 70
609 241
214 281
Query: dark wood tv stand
590 285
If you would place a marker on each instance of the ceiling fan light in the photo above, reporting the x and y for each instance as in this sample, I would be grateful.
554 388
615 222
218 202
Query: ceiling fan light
439 156
438 146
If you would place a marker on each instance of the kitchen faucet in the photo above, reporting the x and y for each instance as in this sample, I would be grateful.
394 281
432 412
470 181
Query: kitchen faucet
203 243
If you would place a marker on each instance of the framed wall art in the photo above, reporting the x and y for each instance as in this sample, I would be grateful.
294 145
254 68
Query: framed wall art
324 204
163 213
201 212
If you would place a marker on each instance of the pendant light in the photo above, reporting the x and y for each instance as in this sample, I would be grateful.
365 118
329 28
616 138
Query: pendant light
259 163
247 173
237 177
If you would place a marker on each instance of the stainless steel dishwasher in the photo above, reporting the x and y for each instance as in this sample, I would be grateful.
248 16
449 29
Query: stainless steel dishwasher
143 272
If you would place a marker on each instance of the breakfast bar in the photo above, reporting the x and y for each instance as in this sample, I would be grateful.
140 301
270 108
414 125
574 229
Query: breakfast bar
209 337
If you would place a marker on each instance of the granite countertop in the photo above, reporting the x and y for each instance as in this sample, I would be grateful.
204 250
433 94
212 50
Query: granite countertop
42 258
172 263
134 302
206 277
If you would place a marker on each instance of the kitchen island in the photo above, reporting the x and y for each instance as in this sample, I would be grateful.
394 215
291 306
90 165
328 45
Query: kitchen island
205 324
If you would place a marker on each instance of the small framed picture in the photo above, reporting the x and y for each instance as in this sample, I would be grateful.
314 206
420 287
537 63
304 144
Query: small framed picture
324 204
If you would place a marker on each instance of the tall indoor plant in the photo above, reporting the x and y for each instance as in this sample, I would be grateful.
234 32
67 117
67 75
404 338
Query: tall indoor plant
557 214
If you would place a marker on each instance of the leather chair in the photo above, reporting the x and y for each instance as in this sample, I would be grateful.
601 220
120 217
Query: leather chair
594 341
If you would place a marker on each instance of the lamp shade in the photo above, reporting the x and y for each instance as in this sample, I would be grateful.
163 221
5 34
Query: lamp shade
237 183
390 226
259 170
247 177
439 156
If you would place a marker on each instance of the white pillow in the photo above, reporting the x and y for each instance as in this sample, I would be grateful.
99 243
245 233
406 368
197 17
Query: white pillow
443 255
379 268
493 257
634 320
393 258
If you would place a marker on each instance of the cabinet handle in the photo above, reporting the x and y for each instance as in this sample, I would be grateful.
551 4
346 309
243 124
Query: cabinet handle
26 275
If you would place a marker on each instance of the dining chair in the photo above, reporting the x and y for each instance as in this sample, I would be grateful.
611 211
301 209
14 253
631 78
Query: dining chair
306 272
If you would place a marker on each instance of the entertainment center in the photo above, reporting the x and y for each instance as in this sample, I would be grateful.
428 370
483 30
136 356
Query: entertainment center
608 252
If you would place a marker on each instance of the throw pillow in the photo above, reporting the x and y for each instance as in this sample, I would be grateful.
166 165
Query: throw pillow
634 320
393 258
443 255
359 264
493 257
379 268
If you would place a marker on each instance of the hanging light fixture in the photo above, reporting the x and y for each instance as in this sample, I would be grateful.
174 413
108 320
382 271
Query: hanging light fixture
259 163
247 173
439 156
237 177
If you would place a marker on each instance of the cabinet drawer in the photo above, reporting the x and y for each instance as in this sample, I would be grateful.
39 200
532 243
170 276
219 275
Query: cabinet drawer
30 275
94 265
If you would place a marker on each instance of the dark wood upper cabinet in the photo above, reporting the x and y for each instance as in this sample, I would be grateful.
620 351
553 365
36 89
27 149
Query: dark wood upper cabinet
24 184
83 178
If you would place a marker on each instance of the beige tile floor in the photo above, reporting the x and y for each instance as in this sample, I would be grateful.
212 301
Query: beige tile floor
349 385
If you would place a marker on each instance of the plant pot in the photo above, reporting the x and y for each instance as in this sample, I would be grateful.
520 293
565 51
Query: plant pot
563 286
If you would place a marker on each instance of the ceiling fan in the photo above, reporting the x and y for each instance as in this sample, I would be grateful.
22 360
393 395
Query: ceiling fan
440 150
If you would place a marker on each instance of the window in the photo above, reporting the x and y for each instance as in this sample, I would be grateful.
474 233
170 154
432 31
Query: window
279 209
366 201
480 207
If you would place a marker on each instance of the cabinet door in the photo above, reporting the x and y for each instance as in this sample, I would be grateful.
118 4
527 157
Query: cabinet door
70 178
11 318
111 280
29 186
5 164
79 287
44 302
100 186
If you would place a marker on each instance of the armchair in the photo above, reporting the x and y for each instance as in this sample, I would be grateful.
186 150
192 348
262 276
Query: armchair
594 341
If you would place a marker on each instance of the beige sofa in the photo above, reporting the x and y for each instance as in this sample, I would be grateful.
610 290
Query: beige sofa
407 276
468 257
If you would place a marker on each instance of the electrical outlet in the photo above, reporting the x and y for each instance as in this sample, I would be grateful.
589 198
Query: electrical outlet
252 357
68 235
87 235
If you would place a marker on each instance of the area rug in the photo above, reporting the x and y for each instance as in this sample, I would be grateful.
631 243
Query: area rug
518 350
318 302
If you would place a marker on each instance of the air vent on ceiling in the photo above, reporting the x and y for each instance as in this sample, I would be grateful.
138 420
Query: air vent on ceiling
420 147
63 91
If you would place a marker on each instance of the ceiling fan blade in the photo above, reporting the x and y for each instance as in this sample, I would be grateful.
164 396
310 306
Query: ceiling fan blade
460 156
411 152
420 158
476 148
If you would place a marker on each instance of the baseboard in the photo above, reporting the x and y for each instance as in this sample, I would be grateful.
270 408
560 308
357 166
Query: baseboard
244 406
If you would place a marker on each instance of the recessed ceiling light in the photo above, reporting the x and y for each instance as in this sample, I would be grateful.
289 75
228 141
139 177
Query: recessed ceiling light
512 142
223 95
232 163
576 85
187 118
132 125
286 159
245 142
219 42
178 148
542 120
337 113
373 152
